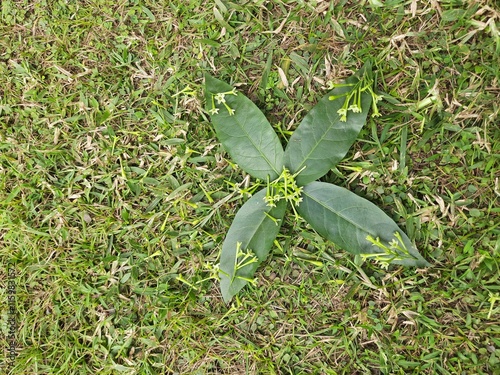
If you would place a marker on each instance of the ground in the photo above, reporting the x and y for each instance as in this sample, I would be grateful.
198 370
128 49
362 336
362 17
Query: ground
115 195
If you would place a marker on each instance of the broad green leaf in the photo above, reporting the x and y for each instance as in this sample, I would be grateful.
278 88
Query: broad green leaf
321 140
254 227
247 135
347 220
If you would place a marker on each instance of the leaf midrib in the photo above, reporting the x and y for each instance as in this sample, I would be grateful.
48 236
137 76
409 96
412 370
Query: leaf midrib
255 146
315 146
259 223
336 213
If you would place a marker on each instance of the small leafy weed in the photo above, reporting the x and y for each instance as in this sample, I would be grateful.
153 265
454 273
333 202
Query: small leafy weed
320 142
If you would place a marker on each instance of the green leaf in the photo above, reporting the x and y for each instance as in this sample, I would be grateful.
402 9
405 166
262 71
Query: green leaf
321 140
247 135
347 220
255 230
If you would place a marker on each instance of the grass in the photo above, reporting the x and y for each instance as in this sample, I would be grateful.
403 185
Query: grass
115 195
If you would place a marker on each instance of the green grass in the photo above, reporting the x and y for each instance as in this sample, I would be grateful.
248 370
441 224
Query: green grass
113 188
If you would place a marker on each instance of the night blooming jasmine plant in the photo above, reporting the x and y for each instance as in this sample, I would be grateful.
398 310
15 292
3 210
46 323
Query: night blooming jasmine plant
318 144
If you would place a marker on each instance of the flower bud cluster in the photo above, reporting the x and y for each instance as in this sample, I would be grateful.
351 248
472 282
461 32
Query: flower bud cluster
221 99
396 250
284 187
352 100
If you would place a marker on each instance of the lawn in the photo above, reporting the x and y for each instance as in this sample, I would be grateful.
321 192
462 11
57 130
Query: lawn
116 196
